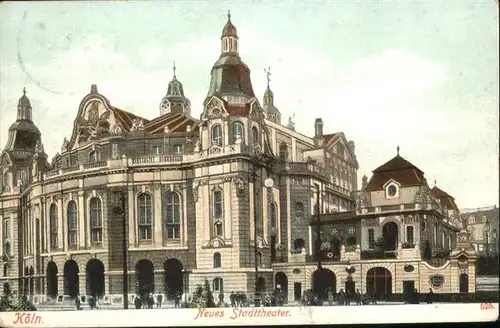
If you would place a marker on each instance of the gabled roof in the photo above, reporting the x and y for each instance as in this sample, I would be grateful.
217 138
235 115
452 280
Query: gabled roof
125 118
398 169
176 122
444 198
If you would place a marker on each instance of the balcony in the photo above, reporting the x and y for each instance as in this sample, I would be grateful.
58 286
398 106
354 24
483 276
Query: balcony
378 255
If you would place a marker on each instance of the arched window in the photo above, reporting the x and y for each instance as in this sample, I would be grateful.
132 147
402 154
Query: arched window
53 225
72 223
217 204
238 131
95 220
145 216
218 228
217 135
217 260
272 217
255 135
299 209
409 234
93 156
21 176
218 285
173 216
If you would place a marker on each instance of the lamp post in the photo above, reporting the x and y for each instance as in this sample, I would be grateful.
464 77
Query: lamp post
122 212
268 183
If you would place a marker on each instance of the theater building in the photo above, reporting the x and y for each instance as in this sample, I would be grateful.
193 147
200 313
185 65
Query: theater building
192 190
215 197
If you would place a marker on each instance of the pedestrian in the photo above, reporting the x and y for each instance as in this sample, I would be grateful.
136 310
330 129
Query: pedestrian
137 302
159 299
177 300
78 303
232 299
330 297
357 297
341 297
430 296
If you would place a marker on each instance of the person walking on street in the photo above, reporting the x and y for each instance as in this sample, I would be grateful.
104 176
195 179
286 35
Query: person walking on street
357 297
159 299
430 296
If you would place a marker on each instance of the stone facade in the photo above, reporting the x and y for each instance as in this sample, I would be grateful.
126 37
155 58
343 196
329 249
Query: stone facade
191 199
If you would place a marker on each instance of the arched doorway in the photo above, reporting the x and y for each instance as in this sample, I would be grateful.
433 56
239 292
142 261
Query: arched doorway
261 284
173 278
94 272
52 279
32 280
144 271
322 280
390 234
464 283
71 280
282 280
378 282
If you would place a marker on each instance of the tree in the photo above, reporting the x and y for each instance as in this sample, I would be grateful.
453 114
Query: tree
203 297
10 304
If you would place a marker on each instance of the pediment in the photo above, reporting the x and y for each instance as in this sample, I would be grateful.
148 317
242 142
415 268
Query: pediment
216 242
5 159
256 111
340 138
214 108
95 120
392 181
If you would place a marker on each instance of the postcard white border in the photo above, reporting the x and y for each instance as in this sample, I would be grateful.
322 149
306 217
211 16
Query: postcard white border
421 313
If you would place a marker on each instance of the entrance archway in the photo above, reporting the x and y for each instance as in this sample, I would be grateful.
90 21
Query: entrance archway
390 234
464 283
94 272
71 280
173 278
52 279
282 280
144 271
378 282
322 280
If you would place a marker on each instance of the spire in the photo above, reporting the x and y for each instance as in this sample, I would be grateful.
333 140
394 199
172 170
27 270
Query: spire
24 107
229 37
397 149
435 183
174 70
175 101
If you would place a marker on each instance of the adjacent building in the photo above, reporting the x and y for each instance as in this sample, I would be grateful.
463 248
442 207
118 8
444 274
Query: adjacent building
482 224
233 196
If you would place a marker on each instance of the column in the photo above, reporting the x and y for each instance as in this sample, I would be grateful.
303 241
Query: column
104 223
294 149
273 133
205 189
132 240
251 197
64 219
265 212
81 219
225 131
288 216
60 221
157 215
47 224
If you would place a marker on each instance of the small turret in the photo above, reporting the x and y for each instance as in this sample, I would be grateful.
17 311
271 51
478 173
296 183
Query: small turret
229 38
24 108
273 114
175 101
364 182
318 133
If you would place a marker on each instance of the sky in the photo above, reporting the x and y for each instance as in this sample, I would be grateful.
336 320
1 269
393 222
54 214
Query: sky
423 76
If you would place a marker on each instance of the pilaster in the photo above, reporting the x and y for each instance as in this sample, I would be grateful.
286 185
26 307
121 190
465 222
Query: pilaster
60 225
184 216
81 219
132 236
157 215
227 210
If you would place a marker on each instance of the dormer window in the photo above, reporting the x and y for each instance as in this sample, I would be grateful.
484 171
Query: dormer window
392 190
237 131
472 220
217 135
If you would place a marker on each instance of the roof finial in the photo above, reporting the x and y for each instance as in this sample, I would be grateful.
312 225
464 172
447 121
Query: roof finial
24 91
229 15
268 75
435 183
174 69
397 150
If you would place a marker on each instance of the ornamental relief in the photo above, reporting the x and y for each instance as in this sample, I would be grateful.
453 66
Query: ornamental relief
93 193
369 222
142 188
95 123
216 242
70 196
172 187
240 184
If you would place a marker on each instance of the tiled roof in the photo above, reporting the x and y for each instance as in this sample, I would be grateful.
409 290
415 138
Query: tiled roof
444 198
398 169
238 110
126 118
176 122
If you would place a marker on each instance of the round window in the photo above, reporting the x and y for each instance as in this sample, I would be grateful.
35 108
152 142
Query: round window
391 191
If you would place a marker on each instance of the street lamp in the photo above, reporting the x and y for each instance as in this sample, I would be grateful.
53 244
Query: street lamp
122 212
268 183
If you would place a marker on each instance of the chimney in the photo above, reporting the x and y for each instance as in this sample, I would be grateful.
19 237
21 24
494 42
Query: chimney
364 182
93 88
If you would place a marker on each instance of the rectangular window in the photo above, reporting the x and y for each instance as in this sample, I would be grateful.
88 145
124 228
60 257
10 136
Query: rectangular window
173 232
409 234
371 238
157 150
218 204
5 232
177 149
